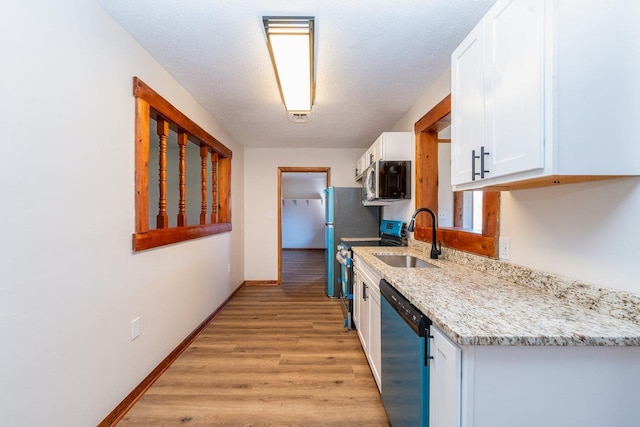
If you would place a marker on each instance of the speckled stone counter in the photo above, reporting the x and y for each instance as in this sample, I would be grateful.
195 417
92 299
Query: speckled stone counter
512 306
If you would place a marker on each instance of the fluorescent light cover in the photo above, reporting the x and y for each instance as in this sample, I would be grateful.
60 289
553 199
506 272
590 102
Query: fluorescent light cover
290 42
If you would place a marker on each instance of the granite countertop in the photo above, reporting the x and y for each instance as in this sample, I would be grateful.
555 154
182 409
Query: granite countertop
476 308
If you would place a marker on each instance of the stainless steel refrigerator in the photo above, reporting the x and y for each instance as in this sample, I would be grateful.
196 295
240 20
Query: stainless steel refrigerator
345 216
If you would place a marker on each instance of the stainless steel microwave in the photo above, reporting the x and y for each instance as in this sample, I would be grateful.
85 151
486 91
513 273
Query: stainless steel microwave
386 181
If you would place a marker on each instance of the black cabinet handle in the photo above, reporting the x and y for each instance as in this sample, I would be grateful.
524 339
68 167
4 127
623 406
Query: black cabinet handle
364 291
483 153
483 171
473 165
427 357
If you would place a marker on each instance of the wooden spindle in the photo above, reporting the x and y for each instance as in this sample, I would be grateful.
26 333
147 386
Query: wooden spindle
204 152
162 220
214 188
182 177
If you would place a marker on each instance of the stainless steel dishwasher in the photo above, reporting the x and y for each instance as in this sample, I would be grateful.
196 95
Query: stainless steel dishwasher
405 371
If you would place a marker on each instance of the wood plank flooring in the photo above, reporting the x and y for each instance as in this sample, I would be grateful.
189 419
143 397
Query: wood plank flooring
274 356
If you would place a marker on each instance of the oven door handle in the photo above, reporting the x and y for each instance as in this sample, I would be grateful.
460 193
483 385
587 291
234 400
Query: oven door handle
342 260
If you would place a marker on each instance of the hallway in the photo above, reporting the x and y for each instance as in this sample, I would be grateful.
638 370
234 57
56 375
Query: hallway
273 356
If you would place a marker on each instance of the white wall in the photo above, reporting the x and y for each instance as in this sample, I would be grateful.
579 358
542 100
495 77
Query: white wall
69 284
587 232
261 198
302 210
303 224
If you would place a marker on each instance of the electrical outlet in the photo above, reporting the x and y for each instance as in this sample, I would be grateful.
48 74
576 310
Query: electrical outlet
135 328
443 215
504 248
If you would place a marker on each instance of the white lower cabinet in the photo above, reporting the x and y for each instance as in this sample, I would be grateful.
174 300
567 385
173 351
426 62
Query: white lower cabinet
357 296
532 386
375 333
444 381
366 314
361 300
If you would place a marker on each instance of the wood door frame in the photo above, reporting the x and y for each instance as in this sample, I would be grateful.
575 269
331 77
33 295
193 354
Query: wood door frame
426 131
285 169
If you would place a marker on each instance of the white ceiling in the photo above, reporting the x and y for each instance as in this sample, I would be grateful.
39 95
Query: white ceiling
373 60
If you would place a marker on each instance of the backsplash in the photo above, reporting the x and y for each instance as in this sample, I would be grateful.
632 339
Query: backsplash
615 303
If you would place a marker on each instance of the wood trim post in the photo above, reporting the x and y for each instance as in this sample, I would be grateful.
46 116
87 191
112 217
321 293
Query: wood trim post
142 165
426 177
162 220
224 190
490 213
458 208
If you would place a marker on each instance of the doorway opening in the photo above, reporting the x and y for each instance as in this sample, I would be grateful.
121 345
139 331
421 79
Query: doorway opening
301 209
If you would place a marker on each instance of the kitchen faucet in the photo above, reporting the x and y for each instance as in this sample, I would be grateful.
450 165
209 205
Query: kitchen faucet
435 250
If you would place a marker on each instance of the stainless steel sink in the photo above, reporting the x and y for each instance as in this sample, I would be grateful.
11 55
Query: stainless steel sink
404 261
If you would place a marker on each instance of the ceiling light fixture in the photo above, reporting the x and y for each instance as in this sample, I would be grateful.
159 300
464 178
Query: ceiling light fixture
291 46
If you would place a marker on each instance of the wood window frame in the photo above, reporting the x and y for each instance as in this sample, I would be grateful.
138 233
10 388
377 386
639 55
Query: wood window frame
426 131
148 102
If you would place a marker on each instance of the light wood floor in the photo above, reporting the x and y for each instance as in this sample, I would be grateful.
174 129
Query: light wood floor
275 356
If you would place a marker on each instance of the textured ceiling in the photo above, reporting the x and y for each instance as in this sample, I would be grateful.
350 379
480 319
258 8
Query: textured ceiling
373 60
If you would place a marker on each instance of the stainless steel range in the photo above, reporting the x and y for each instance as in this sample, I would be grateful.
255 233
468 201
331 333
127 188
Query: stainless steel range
392 233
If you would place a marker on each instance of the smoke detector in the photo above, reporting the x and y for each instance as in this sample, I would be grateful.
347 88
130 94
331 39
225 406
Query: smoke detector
299 117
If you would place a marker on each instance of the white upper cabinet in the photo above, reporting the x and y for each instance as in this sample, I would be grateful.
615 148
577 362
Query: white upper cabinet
543 92
391 146
514 86
388 146
467 104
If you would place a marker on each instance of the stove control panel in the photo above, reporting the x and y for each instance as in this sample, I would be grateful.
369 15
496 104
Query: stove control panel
393 228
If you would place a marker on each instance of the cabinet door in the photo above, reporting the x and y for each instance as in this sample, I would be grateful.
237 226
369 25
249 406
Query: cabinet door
514 77
444 381
467 105
396 146
375 331
363 315
375 151
357 296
